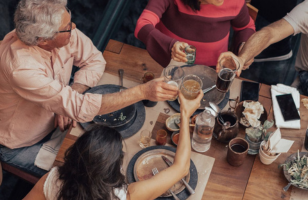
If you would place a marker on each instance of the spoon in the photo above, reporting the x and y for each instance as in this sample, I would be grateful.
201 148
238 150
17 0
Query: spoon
121 73
287 187
215 107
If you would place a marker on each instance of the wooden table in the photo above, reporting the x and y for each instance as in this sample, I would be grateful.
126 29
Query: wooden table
252 180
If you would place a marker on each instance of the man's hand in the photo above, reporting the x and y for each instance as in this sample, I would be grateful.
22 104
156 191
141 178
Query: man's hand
158 90
64 122
188 107
177 51
241 61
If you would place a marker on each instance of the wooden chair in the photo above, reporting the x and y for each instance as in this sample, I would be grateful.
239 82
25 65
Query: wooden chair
19 173
253 11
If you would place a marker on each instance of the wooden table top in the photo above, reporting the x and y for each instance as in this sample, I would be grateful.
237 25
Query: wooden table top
252 180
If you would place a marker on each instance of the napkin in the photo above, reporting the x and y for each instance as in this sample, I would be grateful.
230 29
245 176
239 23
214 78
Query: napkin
280 89
279 145
48 152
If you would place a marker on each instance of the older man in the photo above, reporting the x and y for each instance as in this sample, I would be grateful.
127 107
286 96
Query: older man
36 64
293 23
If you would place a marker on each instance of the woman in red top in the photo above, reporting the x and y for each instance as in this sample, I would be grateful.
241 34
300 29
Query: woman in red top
167 26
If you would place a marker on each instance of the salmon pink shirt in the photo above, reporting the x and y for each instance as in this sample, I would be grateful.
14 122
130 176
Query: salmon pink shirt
34 86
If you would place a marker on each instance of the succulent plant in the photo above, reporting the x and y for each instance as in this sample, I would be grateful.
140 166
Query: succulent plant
257 134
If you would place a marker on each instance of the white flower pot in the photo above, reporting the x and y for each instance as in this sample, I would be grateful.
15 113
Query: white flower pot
266 159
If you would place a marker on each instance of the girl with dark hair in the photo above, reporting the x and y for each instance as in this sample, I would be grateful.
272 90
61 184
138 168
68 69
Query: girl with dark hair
92 167
166 27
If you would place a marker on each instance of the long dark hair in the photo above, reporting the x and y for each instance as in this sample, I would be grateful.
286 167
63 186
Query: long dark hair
194 4
92 166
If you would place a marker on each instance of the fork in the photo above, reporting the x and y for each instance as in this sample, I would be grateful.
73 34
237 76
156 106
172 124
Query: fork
155 171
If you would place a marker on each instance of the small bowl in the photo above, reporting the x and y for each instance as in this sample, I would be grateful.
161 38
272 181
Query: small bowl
239 113
175 138
171 126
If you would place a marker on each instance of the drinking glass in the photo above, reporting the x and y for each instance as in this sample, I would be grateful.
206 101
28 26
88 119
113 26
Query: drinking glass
145 138
161 137
226 75
190 52
148 76
173 75
191 86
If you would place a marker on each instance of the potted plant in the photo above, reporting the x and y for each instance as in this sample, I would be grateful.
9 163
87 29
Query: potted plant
255 135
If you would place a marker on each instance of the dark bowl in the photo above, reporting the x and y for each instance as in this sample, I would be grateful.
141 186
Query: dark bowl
117 118
240 108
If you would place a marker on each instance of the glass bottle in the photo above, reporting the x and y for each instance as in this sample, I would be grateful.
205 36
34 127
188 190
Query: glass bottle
203 131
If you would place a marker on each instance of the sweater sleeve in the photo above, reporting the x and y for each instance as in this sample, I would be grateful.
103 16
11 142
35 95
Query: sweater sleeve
157 44
243 27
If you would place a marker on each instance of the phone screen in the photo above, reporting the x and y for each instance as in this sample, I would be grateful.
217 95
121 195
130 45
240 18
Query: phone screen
287 107
250 91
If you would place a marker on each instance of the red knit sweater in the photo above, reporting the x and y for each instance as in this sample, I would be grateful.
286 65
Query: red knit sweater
163 22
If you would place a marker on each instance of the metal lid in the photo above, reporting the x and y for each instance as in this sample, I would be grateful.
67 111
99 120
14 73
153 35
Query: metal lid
214 107
211 111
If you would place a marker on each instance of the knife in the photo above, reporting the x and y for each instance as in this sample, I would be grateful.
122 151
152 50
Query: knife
208 89
169 163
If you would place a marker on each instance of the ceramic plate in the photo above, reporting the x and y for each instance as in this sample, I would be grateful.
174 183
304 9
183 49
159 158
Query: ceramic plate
151 159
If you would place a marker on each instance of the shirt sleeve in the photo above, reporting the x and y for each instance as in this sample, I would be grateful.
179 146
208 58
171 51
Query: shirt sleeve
243 27
32 83
86 56
298 18
157 44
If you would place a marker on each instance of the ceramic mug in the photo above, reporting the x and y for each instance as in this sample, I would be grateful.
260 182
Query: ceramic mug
225 134
237 151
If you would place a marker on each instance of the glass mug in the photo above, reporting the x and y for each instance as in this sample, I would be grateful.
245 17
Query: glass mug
226 75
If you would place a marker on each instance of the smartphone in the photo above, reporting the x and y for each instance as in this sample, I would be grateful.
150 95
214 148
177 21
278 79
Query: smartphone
250 91
287 107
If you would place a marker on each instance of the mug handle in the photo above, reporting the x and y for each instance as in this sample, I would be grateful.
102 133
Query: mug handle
237 100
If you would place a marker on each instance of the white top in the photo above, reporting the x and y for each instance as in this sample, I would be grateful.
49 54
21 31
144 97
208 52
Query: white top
298 18
52 186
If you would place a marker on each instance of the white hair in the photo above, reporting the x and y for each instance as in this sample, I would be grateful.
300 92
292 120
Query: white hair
38 19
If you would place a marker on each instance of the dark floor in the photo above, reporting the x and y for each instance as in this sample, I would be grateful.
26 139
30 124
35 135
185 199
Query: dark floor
10 185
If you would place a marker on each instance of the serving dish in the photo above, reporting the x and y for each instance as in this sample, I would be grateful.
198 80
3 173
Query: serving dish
293 158
239 113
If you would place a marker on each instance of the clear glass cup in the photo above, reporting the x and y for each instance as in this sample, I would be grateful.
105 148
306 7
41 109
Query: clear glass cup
145 138
226 75
161 137
190 52
173 75
191 85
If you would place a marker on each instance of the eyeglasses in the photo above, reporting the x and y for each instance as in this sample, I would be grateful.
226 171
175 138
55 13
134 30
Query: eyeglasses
70 25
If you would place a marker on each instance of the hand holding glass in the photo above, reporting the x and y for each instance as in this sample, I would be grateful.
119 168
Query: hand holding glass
191 86
228 67
190 52
173 75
